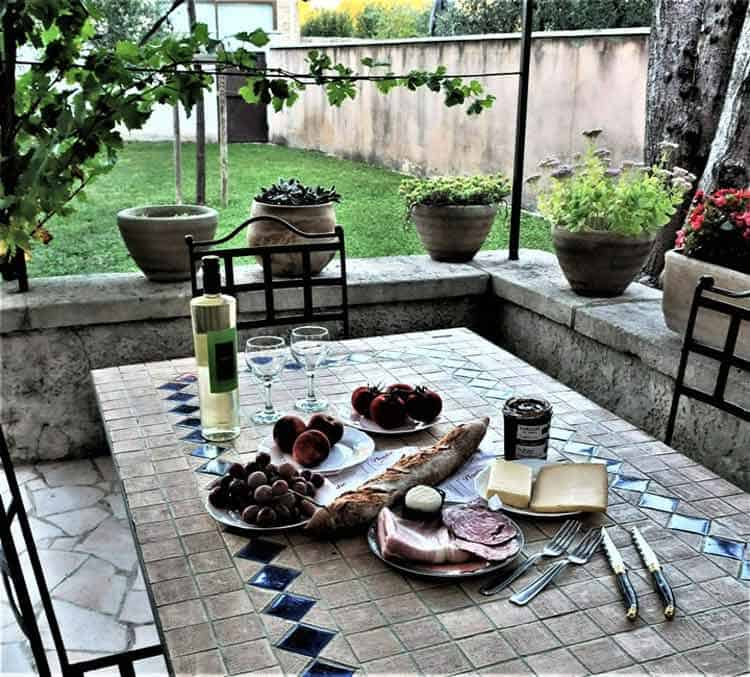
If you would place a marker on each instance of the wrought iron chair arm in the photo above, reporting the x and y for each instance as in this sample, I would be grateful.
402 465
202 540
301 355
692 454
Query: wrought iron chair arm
290 227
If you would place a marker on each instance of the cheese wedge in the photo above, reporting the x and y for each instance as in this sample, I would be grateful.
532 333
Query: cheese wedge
511 482
565 487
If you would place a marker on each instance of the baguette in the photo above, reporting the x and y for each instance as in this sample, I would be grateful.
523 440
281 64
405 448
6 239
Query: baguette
355 510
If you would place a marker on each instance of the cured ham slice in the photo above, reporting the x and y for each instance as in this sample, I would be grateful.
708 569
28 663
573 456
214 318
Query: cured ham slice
355 510
474 523
432 543
416 541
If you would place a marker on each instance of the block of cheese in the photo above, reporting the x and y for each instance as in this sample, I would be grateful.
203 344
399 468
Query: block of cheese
511 483
565 487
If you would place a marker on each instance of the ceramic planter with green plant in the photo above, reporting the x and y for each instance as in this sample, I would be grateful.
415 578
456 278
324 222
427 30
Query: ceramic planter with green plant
604 218
309 209
715 241
454 214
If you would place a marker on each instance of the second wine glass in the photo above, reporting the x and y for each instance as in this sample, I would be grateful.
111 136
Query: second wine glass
309 346
266 356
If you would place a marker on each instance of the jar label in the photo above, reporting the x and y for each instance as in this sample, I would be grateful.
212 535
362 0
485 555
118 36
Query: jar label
532 432
531 450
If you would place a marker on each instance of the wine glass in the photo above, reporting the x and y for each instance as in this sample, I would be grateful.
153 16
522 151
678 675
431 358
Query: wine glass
309 346
266 356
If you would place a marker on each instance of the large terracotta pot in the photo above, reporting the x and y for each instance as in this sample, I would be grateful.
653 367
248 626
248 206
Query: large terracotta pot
681 275
155 237
453 233
598 263
308 219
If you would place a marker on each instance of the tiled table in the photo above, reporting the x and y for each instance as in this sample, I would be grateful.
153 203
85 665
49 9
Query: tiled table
230 604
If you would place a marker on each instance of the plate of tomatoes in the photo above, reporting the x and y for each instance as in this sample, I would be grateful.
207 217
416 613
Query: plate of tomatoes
323 444
398 409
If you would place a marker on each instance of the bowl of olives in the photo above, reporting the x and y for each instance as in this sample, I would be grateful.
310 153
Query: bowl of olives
261 496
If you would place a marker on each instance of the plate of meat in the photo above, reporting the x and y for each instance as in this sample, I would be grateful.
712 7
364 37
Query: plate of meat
470 540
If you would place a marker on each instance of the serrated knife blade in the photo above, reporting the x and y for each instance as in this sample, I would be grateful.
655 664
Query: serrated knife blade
621 574
652 564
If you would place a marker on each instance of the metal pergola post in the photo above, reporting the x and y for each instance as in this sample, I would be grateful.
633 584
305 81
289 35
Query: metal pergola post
520 146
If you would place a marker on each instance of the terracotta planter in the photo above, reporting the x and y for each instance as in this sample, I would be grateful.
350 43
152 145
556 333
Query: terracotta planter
155 237
681 275
309 219
598 263
453 233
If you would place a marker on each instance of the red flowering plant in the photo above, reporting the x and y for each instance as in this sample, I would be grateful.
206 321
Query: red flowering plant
717 229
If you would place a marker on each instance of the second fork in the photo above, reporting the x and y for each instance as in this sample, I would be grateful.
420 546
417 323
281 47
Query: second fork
556 547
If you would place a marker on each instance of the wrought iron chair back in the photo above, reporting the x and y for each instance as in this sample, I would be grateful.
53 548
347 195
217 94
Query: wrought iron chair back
316 242
19 595
726 357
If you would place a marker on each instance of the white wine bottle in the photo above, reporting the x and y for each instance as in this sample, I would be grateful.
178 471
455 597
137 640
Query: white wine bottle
214 318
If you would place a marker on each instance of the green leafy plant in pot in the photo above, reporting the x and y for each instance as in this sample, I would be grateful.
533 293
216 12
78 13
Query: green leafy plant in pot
454 214
604 218
309 209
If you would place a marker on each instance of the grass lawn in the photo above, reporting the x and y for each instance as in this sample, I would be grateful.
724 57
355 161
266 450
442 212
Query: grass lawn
371 212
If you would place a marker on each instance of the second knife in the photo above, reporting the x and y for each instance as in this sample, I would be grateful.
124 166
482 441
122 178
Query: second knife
652 564
621 573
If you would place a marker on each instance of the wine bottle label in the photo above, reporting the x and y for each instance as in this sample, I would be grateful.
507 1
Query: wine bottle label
222 360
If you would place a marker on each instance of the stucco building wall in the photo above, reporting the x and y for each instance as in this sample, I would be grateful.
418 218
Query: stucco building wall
579 80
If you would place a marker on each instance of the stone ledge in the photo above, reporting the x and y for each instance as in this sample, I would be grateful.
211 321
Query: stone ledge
84 300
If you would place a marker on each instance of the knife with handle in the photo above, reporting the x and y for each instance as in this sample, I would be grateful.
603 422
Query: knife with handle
621 573
652 564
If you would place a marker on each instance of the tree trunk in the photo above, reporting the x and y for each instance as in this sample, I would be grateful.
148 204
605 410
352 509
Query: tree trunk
200 130
728 164
691 51
223 145
177 153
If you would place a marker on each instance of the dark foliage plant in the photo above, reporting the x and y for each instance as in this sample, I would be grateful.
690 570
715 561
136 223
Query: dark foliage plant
294 193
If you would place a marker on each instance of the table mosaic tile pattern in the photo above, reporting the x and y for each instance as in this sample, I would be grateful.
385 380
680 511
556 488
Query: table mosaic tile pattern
284 603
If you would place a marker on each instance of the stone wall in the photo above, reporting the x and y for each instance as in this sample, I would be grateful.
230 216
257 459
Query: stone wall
579 80
618 352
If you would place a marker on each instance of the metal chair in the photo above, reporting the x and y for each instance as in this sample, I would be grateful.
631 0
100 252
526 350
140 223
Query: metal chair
318 242
19 598
726 357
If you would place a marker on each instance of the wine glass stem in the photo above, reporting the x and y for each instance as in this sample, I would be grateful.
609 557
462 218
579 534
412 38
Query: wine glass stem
269 402
311 386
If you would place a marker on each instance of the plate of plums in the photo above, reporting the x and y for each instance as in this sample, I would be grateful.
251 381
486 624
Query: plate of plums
323 445
396 410
263 496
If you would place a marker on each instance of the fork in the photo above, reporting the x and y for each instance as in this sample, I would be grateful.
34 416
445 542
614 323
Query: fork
556 547
580 555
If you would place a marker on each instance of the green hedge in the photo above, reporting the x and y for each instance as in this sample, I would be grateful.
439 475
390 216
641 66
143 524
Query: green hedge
464 17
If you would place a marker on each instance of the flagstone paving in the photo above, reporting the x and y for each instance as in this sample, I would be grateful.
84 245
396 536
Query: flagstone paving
87 552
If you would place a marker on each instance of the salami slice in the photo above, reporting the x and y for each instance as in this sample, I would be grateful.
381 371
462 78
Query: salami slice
494 553
475 523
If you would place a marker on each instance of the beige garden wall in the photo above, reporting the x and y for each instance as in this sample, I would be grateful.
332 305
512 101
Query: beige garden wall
579 79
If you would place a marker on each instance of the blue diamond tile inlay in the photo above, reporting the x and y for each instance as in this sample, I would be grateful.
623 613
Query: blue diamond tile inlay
181 397
187 378
214 467
580 448
290 607
745 571
208 451
173 386
661 503
271 577
184 409
194 436
693 525
630 483
322 669
192 422
260 550
723 547
613 466
306 640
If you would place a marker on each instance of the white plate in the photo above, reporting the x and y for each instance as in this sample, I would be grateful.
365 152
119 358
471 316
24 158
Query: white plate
360 422
231 518
355 447
481 480
470 569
